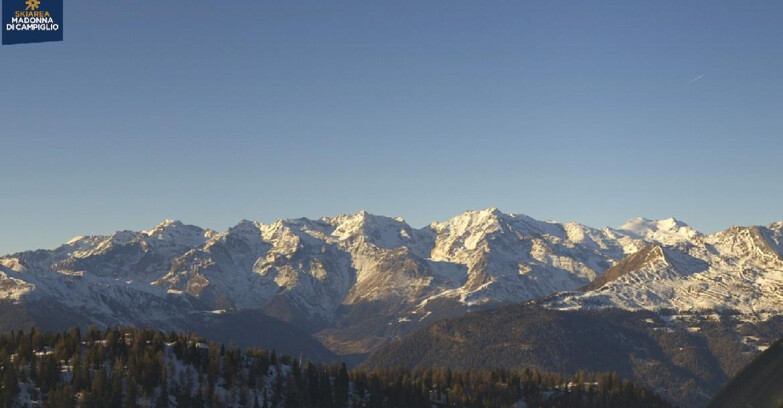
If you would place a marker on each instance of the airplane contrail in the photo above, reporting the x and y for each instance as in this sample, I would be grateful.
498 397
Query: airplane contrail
696 79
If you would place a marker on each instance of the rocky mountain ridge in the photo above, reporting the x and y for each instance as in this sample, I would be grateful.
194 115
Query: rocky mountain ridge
358 281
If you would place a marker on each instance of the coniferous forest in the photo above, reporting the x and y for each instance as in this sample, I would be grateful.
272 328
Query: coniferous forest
126 367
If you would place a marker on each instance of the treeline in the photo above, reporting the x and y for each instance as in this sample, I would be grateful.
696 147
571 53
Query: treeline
125 367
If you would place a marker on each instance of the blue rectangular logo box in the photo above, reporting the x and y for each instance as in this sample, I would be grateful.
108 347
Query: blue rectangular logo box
32 21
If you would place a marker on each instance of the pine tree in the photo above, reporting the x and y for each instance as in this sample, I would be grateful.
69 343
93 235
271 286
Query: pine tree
10 386
163 396
341 385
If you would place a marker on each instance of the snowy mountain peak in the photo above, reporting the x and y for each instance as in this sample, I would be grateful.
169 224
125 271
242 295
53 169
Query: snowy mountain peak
244 230
382 231
168 221
162 226
474 218
468 228
245 224
668 231
763 244
75 239
492 210
487 213
178 234
491 213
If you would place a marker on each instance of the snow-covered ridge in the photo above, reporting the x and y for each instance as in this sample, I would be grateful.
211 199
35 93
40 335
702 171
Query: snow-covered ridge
322 273
740 269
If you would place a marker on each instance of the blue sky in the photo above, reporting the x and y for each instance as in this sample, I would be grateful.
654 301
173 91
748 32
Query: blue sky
214 111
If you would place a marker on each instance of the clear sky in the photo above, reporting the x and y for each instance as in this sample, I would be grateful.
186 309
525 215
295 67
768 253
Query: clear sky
213 111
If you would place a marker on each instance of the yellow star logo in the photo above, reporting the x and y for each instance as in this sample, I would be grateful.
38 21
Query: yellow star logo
32 4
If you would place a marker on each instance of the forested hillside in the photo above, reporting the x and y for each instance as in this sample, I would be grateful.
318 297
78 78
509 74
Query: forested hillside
685 361
125 367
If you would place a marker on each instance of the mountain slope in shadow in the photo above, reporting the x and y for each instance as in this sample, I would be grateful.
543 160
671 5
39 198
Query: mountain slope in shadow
759 385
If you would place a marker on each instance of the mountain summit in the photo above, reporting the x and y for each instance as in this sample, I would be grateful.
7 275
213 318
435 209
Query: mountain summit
668 231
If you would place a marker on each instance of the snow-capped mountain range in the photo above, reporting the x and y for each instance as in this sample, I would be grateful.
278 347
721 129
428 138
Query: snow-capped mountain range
738 270
358 281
